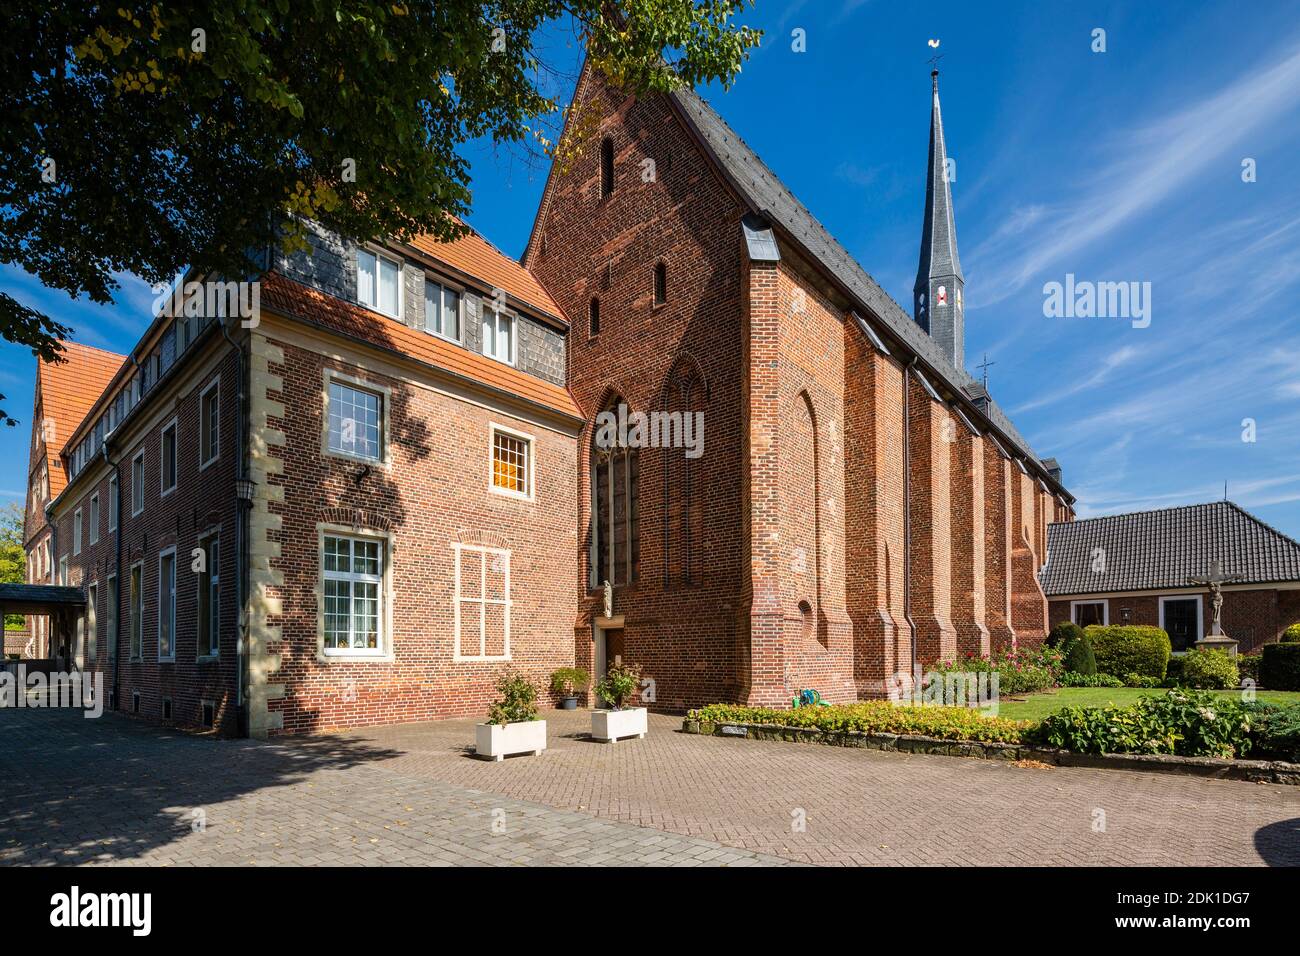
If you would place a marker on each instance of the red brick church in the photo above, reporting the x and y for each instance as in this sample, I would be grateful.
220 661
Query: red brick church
387 489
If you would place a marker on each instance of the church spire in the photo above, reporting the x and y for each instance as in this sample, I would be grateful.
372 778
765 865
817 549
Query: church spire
938 300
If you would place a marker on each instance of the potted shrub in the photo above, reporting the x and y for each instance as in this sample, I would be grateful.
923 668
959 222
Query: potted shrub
567 683
512 727
615 689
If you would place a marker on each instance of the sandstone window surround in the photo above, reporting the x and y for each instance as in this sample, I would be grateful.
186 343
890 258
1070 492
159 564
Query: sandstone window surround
355 419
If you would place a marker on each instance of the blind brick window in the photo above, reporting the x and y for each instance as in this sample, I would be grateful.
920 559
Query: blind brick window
353 586
482 611
510 465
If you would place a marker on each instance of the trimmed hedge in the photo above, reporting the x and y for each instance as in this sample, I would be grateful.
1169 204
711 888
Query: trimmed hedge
1279 667
1063 635
1248 667
1209 669
1291 635
1124 649
1278 734
1079 657
1071 679
875 717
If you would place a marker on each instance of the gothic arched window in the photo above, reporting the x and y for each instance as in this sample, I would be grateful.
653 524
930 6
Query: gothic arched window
615 532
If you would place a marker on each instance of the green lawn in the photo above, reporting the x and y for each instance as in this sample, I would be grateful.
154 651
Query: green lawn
1038 706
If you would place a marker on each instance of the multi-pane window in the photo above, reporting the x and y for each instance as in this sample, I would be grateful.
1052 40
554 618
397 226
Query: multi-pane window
511 469
112 502
353 574
210 598
136 612
112 616
137 485
615 540
355 422
499 335
379 282
209 424
441 310
92 628
167 605
63 571
482 603
94 519
167 459
76 532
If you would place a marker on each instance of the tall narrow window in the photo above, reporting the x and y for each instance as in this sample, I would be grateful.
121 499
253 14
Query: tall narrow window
593 316
167 605
683 482
76 532
210 598
92 628
353 575
482 603
112 502
499 335
379 283
167 459
210 424
661 283
616 553
441 310
137 484
112 616
606 167
94 519
136 612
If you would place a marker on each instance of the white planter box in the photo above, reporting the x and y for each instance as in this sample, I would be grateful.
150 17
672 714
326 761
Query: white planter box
498 741
610 725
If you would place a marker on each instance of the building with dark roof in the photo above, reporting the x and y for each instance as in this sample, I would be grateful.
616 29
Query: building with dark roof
1139 568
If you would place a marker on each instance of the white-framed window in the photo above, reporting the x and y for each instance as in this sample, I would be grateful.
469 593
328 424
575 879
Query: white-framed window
167 604
112 616
499 335
379 283
356 421
76 531
94 518
210 424
482 603
136 611
112 502
1084 613
209 618
137 484
352 572
512 462
63 571
441 310
167 459
1184 622
92 627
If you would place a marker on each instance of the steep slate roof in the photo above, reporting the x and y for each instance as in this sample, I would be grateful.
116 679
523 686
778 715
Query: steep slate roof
68 391
301 302
1151 550
767 195
475 256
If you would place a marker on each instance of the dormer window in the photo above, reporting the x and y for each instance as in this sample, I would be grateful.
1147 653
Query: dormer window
379 283
499 335
441 310
606 167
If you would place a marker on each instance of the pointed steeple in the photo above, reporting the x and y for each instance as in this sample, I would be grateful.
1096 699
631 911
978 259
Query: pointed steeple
938 298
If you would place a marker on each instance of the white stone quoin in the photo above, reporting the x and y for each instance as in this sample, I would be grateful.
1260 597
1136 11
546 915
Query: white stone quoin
610 725
500 740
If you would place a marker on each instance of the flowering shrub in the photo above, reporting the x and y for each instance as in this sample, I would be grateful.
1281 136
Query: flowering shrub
1019 671
1185 722
876 717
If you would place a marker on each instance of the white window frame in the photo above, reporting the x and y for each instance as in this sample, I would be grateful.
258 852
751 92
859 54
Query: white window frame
460 309
171 656
76 531
203 424
113 605
113 503
497 316
135 612
93 514
137 481
482 601
529 468
1200 611
213 651
174 427
374 307
63 571
1105 610
91 648
383 580
385 401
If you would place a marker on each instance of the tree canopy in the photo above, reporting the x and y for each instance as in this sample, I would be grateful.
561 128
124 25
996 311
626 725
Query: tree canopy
151 139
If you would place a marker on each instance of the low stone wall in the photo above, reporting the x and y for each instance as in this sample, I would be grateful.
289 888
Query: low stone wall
1257 771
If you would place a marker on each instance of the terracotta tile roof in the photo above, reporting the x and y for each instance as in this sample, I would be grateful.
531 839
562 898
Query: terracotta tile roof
294 300
68 390
1152 550
476 256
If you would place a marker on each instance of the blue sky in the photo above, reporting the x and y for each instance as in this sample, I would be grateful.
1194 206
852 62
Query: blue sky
1117 166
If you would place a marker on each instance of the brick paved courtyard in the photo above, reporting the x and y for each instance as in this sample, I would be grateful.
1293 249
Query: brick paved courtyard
116 790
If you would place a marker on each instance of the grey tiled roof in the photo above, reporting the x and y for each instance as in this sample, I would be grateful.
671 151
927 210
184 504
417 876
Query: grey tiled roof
1149 550
40 594
767 195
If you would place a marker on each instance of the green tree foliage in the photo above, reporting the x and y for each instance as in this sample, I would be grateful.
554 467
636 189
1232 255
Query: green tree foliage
13 559
149 139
